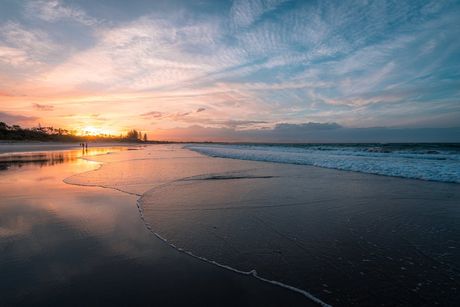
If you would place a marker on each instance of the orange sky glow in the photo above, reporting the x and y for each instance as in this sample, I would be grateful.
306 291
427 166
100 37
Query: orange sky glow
208 70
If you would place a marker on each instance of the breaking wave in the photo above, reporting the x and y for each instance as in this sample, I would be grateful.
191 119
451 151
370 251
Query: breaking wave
434 162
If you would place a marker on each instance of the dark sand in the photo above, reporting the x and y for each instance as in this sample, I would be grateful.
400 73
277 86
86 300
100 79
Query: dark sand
345 238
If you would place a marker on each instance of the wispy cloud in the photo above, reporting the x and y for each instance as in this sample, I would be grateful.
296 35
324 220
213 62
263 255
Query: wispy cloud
24 46
150 52
10 118
13 56
247 64
43 107
152 114
55 10
244 13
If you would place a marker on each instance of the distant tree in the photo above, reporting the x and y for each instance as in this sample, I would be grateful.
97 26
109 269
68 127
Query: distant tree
145 137
132 135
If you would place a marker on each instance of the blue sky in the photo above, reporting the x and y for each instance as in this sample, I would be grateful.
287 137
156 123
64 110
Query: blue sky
238 65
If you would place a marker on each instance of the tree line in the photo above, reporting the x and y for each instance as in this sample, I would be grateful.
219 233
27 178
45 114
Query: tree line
17 133
135 135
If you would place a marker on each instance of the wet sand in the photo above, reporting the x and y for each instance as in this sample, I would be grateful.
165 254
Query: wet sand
66 245
340 237
10 147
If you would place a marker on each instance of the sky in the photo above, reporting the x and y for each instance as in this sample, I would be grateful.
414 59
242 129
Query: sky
234 70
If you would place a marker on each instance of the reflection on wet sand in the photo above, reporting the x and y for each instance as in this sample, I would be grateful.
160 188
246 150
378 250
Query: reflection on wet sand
18 160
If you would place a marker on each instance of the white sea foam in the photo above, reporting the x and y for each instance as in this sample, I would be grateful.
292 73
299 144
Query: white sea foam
252 273
417 162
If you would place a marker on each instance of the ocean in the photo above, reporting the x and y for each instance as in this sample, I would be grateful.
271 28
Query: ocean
434 162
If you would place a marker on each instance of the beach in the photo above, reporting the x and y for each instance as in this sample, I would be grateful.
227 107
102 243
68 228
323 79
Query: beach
69 245
18 146
167 224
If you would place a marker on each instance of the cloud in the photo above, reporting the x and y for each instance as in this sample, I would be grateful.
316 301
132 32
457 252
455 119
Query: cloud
24 52
237 124
43 107
55 10
195 118
176 116
13 119
12 56
153 114
148 53
231 123
244 13
307 127
249 64
310 133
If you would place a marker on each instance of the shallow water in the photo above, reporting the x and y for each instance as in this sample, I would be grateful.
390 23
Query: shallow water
63 244
434 162
341 237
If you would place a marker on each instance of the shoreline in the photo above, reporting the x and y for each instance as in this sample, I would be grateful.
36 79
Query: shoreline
190 211
26 147
103 226
335 235
311 298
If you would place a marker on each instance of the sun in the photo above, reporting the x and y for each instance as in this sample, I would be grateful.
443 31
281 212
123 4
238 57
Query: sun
94 131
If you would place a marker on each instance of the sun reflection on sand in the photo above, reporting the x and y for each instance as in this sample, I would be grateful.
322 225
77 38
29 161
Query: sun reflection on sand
49 158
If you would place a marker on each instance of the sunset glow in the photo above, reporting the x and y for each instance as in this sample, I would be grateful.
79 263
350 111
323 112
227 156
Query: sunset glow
93 131
217 68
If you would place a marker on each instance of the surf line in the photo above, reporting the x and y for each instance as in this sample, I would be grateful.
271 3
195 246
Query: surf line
252 273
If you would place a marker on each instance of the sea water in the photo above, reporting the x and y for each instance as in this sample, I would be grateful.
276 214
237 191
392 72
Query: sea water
434 162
